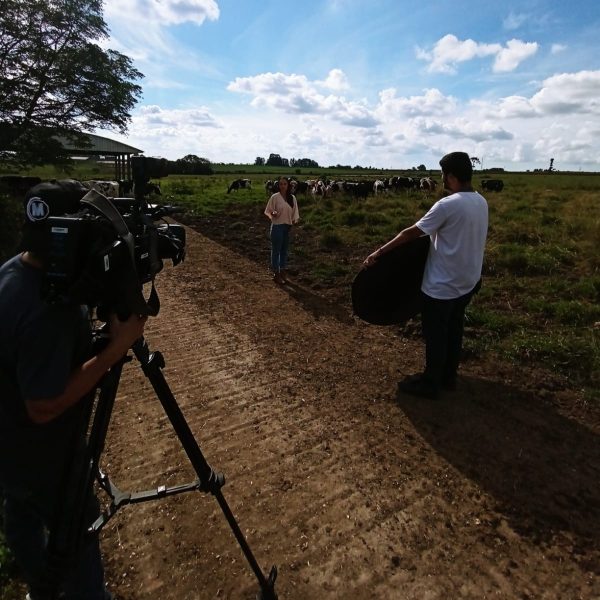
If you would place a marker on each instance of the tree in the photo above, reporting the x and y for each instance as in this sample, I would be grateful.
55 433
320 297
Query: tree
259 161
474 161
274 160
421 168
56 81
191 164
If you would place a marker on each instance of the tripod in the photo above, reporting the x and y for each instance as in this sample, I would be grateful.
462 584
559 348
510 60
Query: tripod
70 524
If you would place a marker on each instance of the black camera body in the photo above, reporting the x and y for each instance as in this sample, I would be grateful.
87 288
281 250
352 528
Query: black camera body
103 252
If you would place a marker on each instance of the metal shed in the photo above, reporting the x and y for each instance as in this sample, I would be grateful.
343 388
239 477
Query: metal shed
102 146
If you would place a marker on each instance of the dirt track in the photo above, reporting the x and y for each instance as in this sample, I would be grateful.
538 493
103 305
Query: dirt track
492 491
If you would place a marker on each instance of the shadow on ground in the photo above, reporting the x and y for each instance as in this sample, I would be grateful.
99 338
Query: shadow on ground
542 468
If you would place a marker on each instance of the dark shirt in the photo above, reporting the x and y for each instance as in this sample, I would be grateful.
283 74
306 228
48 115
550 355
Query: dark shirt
40 345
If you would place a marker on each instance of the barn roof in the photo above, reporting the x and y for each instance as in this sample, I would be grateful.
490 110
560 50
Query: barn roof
99 145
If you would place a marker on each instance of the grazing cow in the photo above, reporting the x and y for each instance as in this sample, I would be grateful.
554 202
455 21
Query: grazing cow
379 186
298 187
110 189
17 185
398 183
271 187
427 184
492 185
240 184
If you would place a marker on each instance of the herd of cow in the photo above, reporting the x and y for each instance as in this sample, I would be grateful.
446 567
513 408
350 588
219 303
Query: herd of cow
18 185
361 189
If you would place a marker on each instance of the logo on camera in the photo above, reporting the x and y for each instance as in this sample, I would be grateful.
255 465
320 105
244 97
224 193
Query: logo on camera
37 209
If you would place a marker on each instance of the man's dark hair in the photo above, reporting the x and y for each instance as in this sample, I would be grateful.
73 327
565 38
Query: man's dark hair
459 165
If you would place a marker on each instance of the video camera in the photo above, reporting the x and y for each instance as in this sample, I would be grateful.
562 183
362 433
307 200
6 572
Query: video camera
101 251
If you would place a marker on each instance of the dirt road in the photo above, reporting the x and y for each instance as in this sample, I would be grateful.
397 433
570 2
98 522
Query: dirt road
353 492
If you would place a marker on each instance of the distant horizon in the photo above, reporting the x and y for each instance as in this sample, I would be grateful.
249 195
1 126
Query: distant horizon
361 167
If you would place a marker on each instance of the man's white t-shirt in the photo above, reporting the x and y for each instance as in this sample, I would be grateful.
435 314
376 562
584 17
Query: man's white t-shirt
457 226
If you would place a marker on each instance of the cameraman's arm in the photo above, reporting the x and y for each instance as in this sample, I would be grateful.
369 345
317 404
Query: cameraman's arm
85 377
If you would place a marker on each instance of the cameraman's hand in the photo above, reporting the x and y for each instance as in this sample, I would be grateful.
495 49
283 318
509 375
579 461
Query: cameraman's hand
124 333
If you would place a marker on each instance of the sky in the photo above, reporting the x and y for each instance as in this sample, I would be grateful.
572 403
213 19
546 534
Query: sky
389 84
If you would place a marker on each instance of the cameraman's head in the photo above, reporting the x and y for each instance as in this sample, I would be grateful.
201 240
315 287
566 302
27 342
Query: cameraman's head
48 199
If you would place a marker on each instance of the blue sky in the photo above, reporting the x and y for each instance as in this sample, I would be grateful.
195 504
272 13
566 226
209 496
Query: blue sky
383 83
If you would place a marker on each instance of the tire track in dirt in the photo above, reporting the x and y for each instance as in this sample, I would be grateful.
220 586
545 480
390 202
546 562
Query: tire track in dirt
329 478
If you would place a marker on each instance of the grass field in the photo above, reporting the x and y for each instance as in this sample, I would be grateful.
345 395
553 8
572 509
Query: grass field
540 302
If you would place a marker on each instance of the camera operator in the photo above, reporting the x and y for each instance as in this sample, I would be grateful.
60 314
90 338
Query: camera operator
47 376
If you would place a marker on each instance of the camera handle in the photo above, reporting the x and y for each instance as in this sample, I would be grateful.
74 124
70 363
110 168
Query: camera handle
70 526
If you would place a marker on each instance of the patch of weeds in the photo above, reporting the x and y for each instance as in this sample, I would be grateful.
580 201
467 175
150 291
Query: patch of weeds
576 353
329 271
376 218
330 239
574 312
352 218
492 321
521 259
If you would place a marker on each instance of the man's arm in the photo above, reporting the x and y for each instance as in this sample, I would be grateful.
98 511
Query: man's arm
406 235
85 377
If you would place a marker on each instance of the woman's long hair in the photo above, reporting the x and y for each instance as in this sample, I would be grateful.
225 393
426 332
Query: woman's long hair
289 197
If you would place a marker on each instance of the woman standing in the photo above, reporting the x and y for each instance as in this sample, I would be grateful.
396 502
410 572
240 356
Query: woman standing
282 210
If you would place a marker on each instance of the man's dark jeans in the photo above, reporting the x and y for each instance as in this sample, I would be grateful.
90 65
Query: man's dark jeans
443 324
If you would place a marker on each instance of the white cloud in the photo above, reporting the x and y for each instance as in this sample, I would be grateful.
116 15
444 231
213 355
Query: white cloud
163 12
296 94
478 131
514 20
432 102
516 51
336 80
449 51
557 48
569 93
153 116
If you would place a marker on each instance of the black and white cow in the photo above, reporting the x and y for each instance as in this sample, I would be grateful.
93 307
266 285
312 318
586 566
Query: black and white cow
427 185
271 187
240 184
110 189
492 185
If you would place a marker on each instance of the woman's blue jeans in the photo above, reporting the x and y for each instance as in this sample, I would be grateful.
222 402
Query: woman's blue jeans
280 242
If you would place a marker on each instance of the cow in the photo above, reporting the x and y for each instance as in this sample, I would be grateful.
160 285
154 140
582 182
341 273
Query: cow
492 185
110 189
398 183
427 184
240 184
379 186
271 187
299 187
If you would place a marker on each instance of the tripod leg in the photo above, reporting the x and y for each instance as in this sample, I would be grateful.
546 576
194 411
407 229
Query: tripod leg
152 365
